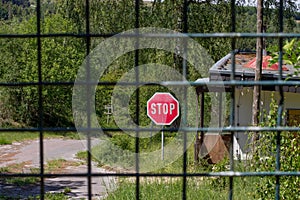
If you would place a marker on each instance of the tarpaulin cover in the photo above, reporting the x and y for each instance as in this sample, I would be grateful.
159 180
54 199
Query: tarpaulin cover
265 64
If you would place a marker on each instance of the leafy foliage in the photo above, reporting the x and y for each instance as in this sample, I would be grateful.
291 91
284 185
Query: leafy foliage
291 54
61 58
265 158
14 8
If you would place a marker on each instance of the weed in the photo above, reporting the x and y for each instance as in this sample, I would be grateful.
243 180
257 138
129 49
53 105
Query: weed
67 190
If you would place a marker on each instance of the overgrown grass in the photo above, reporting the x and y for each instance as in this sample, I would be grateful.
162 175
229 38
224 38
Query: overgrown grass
10 137
123 147
157 188
171 188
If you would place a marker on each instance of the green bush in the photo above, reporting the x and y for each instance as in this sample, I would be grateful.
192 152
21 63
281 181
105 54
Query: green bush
265 159
220 183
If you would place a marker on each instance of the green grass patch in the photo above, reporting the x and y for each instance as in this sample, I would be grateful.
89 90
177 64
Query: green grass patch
52 196
22 181
123 147
4 141
58 165
10 137
53 166
82 155
18 181
171 188
167 187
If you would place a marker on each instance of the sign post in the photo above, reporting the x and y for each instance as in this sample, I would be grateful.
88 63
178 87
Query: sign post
162 109
162 144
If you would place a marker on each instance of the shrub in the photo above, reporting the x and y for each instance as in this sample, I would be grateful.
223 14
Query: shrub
264 159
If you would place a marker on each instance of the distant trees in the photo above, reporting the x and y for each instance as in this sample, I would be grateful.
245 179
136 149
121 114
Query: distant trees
61 56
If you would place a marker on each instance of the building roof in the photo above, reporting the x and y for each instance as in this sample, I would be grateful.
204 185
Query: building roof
242 61
245 71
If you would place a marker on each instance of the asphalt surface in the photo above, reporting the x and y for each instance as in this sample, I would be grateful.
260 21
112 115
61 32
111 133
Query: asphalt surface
28 153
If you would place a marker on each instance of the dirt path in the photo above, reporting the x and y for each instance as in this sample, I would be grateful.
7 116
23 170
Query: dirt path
28 153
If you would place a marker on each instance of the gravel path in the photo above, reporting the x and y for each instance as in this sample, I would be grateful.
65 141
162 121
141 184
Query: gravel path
28 153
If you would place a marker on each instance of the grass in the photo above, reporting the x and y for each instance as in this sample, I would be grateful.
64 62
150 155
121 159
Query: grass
67 190
52 196
58 165
19 181
171 188
123 156
22 181
48 196
82 155
154 187
53 166
196 188
10 137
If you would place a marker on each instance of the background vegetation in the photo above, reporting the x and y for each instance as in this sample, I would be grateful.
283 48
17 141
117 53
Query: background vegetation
62 56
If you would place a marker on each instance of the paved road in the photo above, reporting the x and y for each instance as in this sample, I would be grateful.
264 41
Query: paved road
28 152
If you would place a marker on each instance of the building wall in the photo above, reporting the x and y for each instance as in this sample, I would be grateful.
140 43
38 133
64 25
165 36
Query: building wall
243 113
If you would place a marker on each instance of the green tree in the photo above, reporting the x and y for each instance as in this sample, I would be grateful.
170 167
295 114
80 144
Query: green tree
61 57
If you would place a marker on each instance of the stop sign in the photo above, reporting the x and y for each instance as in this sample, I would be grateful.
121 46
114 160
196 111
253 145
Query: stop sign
162 108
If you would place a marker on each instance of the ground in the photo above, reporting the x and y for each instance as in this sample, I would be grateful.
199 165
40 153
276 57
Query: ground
24 157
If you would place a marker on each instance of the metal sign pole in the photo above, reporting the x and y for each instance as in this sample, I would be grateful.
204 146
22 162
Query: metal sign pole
162 145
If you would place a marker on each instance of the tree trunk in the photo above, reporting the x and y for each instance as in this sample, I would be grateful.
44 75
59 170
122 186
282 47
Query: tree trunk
258 69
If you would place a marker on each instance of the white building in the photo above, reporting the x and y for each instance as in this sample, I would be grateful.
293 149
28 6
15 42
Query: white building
216 146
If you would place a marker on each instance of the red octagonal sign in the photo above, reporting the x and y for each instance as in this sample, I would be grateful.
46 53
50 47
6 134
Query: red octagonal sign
162 108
